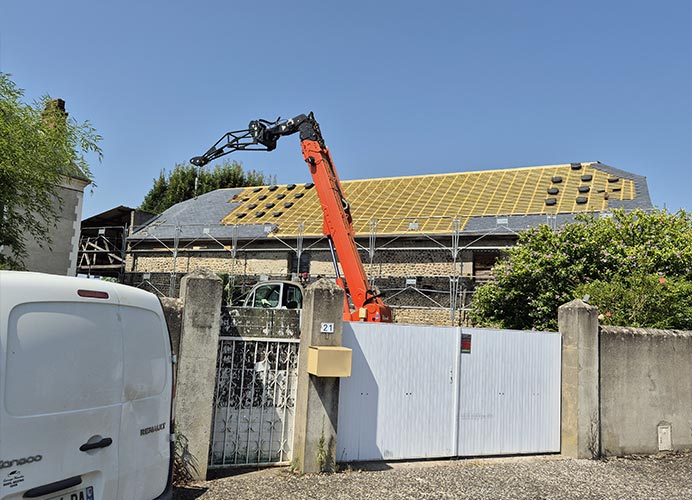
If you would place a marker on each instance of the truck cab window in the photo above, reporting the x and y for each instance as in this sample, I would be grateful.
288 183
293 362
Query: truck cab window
293 297
267 296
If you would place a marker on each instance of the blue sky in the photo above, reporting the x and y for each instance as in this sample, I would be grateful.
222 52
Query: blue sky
400 88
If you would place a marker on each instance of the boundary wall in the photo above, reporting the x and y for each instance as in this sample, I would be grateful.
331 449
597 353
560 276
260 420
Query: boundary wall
625 391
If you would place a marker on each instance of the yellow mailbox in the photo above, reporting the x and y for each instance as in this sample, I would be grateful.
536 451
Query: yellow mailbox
328 361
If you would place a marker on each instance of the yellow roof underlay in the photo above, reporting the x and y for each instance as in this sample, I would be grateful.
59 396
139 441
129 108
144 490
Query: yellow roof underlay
435 201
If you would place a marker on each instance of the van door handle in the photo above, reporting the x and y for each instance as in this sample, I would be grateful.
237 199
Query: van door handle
98 444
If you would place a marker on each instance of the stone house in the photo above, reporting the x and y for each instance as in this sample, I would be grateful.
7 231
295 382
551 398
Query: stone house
425 241
60 255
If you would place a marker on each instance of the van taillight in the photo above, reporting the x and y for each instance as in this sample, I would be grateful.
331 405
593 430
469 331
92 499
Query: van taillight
92 294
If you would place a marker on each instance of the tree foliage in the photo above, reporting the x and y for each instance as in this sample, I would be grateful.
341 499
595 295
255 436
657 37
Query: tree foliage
39 149
179 184
636 266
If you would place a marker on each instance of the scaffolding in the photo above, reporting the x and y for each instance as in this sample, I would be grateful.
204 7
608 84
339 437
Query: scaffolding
451 291
102 251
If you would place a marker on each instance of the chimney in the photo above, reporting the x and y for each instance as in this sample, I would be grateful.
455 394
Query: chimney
56 106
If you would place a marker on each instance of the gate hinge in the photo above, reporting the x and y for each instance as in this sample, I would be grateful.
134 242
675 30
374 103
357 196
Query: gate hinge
174 359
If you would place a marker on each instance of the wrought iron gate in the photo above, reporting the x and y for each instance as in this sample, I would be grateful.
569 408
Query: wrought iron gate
254 404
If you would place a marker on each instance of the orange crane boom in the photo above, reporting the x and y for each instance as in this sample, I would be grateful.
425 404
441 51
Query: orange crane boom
337 226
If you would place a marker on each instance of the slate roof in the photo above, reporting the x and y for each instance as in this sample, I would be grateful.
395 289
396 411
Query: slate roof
502 201
199 218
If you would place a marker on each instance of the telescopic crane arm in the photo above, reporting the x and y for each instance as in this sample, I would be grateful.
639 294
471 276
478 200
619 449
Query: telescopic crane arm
262 135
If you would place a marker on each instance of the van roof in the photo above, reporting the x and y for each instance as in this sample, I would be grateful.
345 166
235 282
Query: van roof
54 287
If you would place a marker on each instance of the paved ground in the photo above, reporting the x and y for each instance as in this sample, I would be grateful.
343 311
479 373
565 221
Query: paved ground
662 477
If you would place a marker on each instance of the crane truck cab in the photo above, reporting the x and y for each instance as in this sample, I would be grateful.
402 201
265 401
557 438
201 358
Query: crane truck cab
86 390
275 295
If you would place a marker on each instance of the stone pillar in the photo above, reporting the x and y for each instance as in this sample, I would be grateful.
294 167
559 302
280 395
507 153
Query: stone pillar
317 400
580 426
201 293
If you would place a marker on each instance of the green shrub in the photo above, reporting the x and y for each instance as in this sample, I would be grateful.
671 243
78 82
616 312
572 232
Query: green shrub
593 255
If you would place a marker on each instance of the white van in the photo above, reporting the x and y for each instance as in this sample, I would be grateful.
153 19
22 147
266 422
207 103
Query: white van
86 387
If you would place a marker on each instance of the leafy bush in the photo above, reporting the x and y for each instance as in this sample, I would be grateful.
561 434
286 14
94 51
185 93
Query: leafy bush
602 256
643 301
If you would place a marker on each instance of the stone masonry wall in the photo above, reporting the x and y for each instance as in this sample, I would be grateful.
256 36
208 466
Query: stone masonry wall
413 263
267 263
405 263
423 316
408 263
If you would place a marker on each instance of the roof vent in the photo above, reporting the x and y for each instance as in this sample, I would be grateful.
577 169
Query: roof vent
309 185
584 189
291 187
613 179
280 196
257 190
617 189
575 166
259 214
550 201
252 205
269 205
553 190
298 195
273 188
582 199
262 197
241 215
277 214
557 179
288 204
586 177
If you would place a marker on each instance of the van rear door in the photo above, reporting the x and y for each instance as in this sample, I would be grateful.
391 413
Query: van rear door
61 386
146 411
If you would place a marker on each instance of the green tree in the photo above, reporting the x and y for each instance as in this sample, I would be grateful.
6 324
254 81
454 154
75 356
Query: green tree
179 184
636 266
39 148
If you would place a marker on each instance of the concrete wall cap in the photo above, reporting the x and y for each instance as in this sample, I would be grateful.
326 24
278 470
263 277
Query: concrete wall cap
324 284
205 274
578 304
654 332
